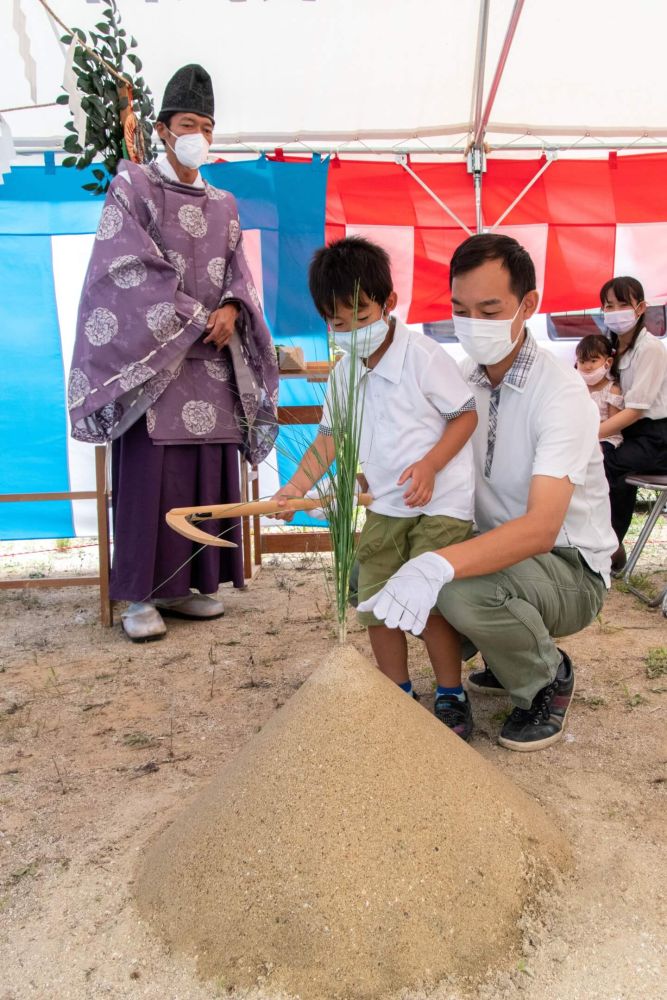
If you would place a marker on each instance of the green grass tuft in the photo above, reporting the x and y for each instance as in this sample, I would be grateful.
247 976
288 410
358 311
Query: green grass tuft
656 662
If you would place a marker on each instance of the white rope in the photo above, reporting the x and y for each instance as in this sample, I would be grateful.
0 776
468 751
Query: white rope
403 163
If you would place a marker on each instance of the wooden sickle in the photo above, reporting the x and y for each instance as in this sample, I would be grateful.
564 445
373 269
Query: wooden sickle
184 520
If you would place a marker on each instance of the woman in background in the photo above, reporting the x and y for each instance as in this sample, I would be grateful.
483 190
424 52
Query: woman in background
640 365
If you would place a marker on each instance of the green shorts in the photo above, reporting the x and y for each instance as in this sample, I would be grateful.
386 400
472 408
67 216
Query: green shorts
387 543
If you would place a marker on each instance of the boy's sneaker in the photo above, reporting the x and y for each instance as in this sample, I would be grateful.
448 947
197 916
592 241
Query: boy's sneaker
484 682
455 714
542 724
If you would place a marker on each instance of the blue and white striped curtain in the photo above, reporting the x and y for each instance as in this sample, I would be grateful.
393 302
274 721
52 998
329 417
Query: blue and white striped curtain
47 224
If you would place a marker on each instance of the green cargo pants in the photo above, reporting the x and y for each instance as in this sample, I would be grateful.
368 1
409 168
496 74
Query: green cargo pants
511 616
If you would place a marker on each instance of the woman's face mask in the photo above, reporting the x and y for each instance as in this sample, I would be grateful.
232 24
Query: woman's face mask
620 321
486 341
191 150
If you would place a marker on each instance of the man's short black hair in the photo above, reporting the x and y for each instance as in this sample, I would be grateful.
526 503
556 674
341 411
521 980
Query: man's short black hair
345 270
476 250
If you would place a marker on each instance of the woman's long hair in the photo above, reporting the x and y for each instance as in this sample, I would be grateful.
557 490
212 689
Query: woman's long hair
626 290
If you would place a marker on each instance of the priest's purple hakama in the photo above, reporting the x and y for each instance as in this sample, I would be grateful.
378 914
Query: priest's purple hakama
166 255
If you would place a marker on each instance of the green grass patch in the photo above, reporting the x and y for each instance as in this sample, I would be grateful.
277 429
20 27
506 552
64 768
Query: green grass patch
656 662
640 581
138 741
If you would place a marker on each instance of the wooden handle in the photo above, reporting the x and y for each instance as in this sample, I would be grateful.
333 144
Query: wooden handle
255 507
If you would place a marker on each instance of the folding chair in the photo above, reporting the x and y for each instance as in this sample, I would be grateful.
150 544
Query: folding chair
659 485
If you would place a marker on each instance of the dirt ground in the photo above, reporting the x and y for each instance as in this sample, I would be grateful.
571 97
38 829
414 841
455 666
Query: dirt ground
102 741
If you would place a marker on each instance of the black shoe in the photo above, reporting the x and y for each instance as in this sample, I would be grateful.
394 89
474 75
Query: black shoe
542 724
455 714
618 561
484 682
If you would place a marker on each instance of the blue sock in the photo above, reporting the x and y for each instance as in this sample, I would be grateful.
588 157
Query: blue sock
458 691
407 687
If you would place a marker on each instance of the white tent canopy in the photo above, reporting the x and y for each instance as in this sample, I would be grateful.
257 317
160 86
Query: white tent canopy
375 74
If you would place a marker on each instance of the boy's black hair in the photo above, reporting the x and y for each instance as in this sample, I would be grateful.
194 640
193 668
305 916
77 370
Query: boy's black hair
625 289
476 250
346 269
594 345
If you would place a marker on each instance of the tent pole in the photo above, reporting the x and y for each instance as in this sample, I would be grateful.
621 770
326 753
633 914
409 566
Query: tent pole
476 166
477 153
483 121
477 95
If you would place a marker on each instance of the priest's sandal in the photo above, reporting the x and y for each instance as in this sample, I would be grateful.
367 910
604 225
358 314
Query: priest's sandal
142 622
192 606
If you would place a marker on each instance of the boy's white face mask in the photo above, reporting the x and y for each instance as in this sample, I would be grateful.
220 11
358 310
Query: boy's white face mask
363 341
486 341
621 320
191 150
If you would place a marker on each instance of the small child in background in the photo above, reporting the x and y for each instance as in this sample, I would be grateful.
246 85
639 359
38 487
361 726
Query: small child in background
594 360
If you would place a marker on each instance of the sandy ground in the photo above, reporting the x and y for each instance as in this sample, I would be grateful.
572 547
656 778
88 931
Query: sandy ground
102 741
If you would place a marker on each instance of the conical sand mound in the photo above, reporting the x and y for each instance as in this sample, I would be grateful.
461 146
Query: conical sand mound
353 847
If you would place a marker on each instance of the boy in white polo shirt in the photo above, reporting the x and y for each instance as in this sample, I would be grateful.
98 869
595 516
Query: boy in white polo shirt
540 566
416 415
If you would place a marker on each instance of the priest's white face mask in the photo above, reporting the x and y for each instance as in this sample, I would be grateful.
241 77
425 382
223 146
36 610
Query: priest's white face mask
190 150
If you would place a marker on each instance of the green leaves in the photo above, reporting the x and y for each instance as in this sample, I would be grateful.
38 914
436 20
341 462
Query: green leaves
71 144
103 99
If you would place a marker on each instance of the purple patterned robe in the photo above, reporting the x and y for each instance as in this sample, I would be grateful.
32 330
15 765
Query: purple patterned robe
166 254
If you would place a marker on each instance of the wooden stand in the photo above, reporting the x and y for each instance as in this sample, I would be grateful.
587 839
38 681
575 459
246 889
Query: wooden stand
103 540
254 543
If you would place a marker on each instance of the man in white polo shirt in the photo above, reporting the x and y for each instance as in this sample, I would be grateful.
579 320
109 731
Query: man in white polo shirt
540 565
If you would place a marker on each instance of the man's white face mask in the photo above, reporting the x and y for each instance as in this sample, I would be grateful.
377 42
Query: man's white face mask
191 150
486 341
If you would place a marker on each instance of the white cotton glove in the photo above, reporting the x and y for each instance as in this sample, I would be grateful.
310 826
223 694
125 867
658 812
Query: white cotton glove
408 597
317 513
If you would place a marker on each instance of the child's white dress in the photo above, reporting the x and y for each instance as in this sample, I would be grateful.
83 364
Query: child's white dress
603 399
